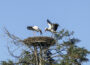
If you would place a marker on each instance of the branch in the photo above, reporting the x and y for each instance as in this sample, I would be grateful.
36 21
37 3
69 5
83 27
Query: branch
14 38
13 54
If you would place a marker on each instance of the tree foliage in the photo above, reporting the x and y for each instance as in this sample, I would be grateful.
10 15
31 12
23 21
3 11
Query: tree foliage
64 52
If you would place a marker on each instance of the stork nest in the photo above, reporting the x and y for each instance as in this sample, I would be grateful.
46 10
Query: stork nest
39 41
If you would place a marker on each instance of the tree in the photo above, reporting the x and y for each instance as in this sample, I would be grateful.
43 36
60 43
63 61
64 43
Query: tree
64 52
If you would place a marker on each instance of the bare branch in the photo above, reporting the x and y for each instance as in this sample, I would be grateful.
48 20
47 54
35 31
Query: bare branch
14 38
11 53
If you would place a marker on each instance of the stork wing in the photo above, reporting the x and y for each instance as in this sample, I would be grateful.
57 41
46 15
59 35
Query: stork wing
55 26
29 28
48 21
49 24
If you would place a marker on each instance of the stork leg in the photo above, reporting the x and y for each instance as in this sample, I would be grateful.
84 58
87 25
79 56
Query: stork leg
52 35
34 33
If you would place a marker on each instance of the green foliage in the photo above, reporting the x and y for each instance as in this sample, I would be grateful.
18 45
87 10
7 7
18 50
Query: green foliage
7 63
27 58
65 50
71 53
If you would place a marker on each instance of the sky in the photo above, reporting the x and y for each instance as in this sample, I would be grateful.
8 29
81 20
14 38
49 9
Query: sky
16 15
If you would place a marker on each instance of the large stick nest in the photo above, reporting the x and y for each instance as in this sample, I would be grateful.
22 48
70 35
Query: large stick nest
32 41
39 41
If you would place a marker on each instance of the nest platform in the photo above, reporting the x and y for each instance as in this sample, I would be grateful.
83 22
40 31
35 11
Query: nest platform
39 41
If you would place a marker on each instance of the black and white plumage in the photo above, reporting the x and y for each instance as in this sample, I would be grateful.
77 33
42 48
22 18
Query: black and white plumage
34 28
52 26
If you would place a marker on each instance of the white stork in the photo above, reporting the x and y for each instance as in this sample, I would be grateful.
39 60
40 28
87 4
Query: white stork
52 27
34 28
